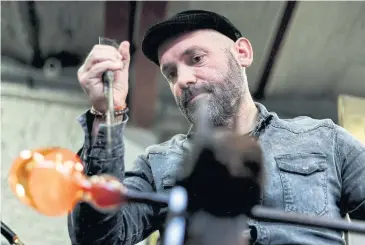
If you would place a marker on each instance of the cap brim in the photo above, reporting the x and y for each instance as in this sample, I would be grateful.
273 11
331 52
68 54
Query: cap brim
165 30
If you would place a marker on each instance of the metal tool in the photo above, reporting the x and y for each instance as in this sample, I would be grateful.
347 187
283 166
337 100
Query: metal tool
108 80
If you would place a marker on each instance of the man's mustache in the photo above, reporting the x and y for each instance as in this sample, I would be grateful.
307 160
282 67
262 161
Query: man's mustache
192 91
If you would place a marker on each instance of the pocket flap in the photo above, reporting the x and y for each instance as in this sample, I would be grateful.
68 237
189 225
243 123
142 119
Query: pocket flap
168 181
304 164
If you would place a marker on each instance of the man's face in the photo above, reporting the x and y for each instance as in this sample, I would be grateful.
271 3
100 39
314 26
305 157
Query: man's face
200 66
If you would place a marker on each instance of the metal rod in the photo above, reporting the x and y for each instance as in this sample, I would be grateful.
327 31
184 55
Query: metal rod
10 235
147 197
7 232
268 214
108 79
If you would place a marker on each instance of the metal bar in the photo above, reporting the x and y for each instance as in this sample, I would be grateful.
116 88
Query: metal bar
7 233
147 197
10 235
37 60
108 79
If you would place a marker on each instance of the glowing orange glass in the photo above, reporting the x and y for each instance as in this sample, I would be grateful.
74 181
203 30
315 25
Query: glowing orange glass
51 180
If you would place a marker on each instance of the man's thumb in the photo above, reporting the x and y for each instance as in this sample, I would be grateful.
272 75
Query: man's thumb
125 52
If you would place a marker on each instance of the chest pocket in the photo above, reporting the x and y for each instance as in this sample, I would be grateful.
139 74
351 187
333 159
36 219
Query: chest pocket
304 180
164 170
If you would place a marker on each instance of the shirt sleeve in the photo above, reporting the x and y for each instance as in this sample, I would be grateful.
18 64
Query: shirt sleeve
131 223
350 155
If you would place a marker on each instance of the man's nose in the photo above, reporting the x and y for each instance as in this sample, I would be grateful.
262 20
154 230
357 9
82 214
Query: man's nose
185 77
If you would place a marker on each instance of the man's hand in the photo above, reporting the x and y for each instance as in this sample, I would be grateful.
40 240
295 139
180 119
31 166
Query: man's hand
101 59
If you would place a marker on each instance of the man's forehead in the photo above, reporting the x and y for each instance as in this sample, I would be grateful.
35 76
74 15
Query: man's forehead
178 43
176 46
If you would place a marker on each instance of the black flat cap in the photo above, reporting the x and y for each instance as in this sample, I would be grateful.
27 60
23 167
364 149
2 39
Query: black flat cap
184 22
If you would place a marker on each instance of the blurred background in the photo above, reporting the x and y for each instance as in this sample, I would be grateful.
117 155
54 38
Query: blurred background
309 59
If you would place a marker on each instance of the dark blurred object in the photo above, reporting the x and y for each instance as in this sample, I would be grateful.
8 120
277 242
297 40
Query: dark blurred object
227 166
222 167
204 228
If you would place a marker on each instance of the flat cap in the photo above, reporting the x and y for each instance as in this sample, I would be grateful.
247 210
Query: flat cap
184 22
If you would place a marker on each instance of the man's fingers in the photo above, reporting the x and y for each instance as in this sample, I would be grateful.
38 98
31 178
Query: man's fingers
101 53
98 69
125 53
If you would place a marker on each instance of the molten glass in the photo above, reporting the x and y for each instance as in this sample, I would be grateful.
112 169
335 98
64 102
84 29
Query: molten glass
51 180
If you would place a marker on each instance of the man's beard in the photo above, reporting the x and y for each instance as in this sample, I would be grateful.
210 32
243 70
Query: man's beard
224 97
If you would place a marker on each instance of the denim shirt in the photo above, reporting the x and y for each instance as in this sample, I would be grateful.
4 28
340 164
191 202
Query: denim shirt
312 167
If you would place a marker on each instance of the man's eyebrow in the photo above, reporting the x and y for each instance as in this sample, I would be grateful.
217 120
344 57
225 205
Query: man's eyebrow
188 52
192 50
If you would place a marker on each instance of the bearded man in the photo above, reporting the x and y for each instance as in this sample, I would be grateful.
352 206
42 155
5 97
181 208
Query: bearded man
313 166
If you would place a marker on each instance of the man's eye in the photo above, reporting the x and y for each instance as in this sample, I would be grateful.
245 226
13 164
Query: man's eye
197 59
171 75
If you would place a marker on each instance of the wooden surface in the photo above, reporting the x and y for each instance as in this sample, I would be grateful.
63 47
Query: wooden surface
351 111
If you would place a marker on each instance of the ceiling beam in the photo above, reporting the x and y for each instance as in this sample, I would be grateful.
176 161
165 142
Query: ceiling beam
276 45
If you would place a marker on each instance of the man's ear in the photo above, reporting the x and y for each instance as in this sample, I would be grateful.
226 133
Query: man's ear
244 52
